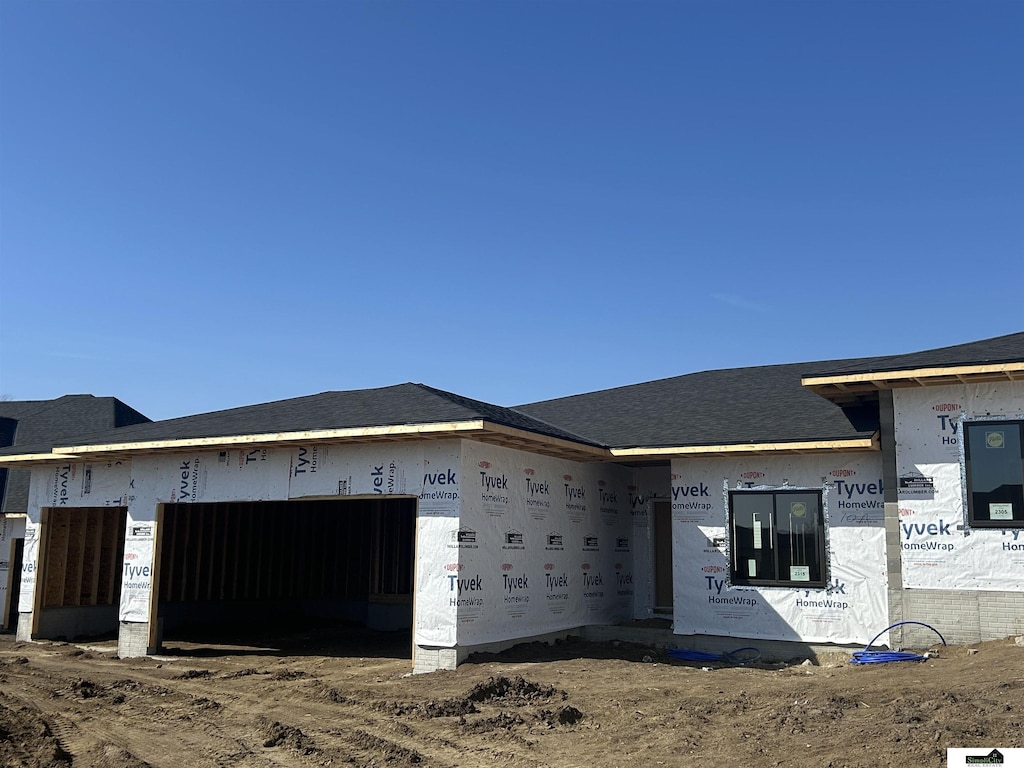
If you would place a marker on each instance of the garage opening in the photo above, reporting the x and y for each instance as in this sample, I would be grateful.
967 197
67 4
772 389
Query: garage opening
80 556
253 570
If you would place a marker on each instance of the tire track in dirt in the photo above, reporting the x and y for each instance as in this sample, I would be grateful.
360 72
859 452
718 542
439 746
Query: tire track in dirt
168 722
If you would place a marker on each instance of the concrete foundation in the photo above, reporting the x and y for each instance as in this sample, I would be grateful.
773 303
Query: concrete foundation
24 634
133 639
72 623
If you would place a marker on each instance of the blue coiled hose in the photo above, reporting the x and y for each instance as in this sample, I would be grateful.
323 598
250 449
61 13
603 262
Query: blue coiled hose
867 656
738 657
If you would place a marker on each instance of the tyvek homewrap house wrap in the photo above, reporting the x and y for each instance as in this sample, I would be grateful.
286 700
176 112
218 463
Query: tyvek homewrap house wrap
815 503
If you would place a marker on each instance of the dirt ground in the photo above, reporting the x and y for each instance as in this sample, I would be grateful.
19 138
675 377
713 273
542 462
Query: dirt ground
341 697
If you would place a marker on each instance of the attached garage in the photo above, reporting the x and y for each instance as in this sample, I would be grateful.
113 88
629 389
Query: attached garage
79 570
272 562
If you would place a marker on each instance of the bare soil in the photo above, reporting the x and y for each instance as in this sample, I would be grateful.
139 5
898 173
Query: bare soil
337 697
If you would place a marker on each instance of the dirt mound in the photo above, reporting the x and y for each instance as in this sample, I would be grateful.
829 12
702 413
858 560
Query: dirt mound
194 674
111 756
387 752
512 689
428 709
277 734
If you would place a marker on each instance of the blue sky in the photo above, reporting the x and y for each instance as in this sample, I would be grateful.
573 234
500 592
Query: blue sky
211 204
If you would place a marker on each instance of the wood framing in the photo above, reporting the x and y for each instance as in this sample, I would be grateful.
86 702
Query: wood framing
80 556
848 387
478 429
743 449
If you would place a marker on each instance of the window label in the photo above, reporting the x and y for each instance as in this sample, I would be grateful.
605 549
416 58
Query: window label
995 439
799 573
1000 511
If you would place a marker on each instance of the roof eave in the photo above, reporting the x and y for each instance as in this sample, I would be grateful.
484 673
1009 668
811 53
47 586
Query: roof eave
849 387
475 429
840 445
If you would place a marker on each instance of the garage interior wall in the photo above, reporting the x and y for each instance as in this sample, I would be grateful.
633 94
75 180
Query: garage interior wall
262 561
81 555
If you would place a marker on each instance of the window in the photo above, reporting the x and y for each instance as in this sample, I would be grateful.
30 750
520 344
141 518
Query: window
994 456
778 538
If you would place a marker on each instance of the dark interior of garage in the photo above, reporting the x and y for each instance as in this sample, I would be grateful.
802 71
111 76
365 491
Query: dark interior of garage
277 565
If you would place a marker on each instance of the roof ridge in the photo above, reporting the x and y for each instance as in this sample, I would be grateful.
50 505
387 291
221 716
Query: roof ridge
462 399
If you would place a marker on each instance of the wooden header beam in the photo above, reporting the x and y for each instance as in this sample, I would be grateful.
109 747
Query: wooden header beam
741 449
477 429
1010 371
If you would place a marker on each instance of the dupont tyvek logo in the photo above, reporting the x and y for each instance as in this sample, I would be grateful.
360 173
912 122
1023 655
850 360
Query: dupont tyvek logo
590 543
493 489
493 482
949 427
454 567
830 600
715 587
1012 547
554 541
713 569
752 475
245 458
556 586
691 497
692 491
575 495
307 460
514 586
947 407
465 591
188 486
927 536
62 476
623 581
440 486
384 477
860 503
842 472
513 540
538 491
593 583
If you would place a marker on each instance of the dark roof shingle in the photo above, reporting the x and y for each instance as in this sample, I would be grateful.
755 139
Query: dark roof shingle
41 424
402 404
764 404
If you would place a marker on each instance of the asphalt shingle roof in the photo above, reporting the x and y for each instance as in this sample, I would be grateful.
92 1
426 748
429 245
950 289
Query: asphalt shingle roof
41 424
402 404
763 404
1001 349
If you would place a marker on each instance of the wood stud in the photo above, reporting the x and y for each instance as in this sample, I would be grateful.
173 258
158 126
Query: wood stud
84 551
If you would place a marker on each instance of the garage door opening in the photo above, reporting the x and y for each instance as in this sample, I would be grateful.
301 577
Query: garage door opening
79 584
282 573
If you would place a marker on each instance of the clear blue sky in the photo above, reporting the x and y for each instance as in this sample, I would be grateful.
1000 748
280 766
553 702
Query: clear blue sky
211 204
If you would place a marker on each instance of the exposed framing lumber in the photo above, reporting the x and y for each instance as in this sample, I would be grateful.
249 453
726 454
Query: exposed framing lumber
154 639
477 429
809 446
921 376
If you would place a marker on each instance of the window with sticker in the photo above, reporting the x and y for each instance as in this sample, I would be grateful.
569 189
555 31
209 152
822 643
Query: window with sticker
777 538
994 456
